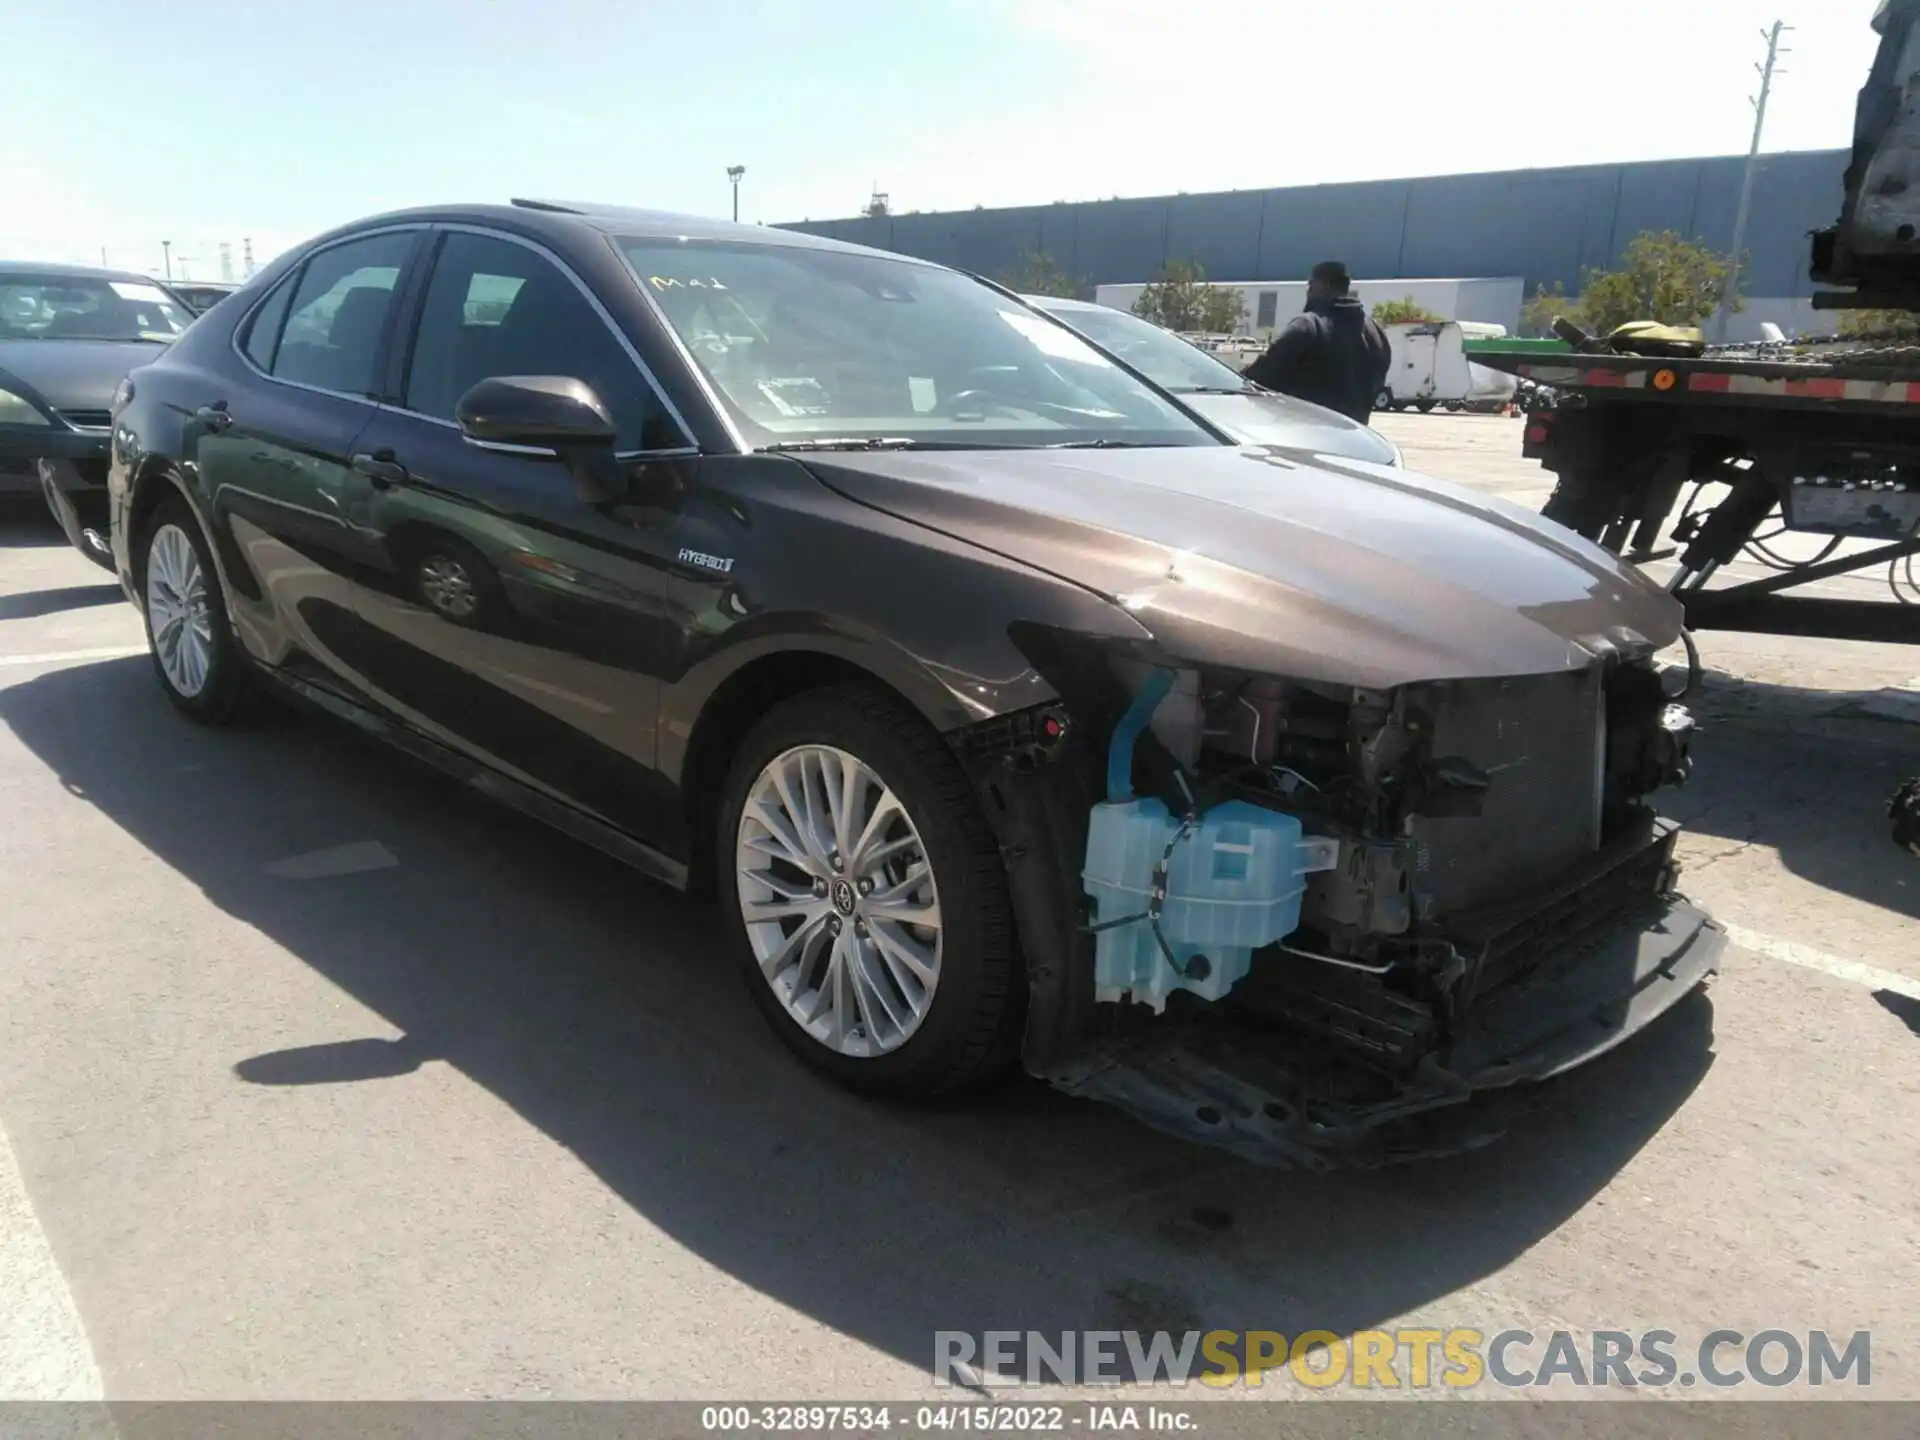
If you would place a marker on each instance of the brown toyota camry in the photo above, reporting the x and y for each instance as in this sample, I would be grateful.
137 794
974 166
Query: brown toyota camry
1282 798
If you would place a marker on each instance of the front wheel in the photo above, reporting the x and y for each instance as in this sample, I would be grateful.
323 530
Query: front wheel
195 653
866 896
1384 400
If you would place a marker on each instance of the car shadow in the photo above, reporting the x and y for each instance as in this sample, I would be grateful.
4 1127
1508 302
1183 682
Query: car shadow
26 522
1903 1007
603 1011
1805 773
31 603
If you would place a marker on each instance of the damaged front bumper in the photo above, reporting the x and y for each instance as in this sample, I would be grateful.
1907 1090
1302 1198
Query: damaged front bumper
1559 980
1252 1093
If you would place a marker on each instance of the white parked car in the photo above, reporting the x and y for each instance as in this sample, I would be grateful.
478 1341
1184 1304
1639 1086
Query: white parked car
1218 392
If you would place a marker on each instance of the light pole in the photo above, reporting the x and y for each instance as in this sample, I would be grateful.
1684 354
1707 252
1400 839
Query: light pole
734 172
166 251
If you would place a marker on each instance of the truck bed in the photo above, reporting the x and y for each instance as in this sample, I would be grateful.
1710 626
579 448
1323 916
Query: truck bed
1861 377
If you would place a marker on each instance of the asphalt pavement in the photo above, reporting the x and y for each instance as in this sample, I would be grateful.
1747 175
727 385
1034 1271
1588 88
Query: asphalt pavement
321 1078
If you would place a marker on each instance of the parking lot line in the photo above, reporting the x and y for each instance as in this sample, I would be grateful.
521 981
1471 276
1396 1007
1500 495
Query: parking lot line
44 1354
64 657
1808 958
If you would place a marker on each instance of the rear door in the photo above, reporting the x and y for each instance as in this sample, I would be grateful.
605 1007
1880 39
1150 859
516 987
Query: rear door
499 612
1414 376
273 449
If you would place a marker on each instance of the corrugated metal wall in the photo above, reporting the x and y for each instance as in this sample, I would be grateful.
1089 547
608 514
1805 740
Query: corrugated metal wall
1544 225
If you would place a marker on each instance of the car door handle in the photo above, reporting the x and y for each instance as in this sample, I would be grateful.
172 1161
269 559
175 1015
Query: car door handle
381 468
214 417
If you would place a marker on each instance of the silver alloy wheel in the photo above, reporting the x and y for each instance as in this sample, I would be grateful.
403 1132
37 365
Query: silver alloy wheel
177 610
839 900
448 587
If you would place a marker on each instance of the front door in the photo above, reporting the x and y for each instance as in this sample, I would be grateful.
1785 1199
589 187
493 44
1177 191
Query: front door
498 611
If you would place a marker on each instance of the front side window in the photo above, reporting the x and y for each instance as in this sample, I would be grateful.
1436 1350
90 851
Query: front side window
497 308
1160 355
58 307
806 345
339 314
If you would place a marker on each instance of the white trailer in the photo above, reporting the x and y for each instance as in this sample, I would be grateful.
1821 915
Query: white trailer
1430 367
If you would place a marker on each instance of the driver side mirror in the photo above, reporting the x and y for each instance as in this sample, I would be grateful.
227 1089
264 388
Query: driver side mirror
546 416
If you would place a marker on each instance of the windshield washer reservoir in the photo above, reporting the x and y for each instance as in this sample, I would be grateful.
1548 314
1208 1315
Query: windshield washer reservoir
1182 905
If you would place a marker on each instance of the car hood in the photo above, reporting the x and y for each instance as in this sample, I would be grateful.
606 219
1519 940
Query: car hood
1260 560
1260 418
74 374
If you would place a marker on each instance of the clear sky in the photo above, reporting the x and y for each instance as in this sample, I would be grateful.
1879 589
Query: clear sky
126 123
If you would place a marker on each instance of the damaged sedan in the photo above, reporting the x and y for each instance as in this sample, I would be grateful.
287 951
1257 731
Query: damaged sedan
1012 711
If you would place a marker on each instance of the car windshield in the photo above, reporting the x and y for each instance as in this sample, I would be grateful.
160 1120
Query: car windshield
61 307
1160 355
812 347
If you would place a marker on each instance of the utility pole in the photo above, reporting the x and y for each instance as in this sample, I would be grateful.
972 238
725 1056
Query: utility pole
1767 73
734 172
246 258
166 250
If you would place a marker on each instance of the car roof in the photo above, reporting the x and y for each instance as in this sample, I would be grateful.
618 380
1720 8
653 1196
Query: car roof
72 272
568 215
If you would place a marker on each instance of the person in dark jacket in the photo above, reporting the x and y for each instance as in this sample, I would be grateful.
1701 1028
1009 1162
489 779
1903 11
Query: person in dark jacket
1333 355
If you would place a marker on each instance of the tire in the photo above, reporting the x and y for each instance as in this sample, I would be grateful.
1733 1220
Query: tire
454 581
1425 407
1384 400
176 575
968 1024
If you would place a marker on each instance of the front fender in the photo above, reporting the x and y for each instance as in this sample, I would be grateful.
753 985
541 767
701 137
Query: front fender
810 571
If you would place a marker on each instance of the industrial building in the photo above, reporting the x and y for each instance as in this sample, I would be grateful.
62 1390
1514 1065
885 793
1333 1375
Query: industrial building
1267 305
1540 226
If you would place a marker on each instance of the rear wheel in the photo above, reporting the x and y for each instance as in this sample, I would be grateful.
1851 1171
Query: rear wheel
1425 407
867 898
1384 400
195 653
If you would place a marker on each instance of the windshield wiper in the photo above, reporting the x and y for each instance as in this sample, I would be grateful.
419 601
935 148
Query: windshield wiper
1105 445
1248 389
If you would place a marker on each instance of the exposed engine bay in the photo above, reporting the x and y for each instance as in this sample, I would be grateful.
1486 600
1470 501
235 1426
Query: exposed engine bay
1310 911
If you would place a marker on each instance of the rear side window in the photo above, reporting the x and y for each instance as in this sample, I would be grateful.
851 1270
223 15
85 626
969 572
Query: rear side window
263 332
339 314
497 308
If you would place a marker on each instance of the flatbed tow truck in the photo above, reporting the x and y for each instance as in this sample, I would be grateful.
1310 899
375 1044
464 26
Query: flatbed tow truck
1822 445
1816 437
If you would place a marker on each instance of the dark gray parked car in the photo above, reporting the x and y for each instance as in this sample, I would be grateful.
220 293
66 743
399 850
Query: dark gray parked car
1011 710
68 336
